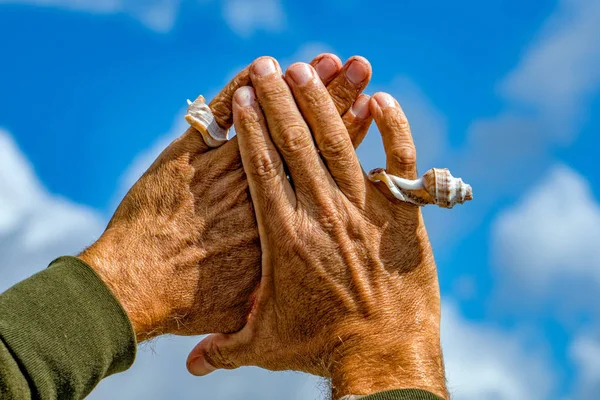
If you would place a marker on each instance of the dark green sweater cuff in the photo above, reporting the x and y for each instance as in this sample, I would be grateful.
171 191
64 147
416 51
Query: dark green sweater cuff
65 330
403 394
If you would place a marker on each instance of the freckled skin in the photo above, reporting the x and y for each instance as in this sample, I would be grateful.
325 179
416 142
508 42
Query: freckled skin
182 252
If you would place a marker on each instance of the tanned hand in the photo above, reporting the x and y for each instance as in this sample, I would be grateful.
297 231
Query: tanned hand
182 253
349 285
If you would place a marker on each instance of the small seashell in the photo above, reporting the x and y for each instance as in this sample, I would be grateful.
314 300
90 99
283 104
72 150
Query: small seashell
436 186
200 117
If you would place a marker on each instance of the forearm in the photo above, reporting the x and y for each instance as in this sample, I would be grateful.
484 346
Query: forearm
61 332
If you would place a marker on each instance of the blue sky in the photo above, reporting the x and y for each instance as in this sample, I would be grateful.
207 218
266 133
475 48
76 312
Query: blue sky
504 93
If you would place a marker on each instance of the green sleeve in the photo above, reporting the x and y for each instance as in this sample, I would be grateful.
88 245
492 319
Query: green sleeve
61 332
403 394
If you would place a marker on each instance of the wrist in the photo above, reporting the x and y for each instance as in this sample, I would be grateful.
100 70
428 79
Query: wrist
376 363
105 261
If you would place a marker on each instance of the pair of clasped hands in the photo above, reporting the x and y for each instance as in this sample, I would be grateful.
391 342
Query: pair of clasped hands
279 241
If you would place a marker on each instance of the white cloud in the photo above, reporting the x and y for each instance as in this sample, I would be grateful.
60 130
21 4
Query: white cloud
561 70
487 363
248 16
243 16
548 95
552 234
159 15
160 373
585 354
35 226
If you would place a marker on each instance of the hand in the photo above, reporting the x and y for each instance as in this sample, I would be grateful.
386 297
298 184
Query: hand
181 252
349 285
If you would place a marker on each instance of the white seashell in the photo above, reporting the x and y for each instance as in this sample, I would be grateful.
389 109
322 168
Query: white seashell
201 118
436 186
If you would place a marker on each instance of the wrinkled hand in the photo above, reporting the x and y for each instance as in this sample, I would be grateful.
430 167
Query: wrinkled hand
349 285
181 252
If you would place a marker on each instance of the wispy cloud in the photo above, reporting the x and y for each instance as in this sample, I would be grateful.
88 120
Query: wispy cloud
547 95
552 234
585 354
248 16
35 226
483 362
159 15
561 70
244 17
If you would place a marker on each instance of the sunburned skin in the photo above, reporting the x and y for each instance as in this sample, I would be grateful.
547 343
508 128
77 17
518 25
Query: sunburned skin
436 186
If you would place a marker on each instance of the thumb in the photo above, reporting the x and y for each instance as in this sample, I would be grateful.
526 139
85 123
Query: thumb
218 351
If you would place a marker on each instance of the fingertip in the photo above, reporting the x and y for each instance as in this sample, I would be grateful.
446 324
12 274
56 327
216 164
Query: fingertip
334 58
384 100
361 109
358 70
264 66
327 66
244 96
381 101
374 107
360 59
199 366
196 363
300 73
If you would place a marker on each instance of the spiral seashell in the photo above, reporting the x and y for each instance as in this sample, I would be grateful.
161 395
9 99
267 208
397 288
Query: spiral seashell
446 190
436 186
200 117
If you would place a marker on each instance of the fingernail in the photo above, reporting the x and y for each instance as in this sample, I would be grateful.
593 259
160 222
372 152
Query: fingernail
199 367
245 96
326 68
264 67
301 73
356 72
385 100
360 108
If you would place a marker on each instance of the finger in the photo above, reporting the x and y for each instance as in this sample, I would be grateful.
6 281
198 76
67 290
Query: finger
349 83
221 105
271 192
287 127
219 351
327 127
397 140
358 120
328 66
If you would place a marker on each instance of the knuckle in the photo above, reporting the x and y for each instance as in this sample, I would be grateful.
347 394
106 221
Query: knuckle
404 154
294 139
218 358
265 164
222 113
335 144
